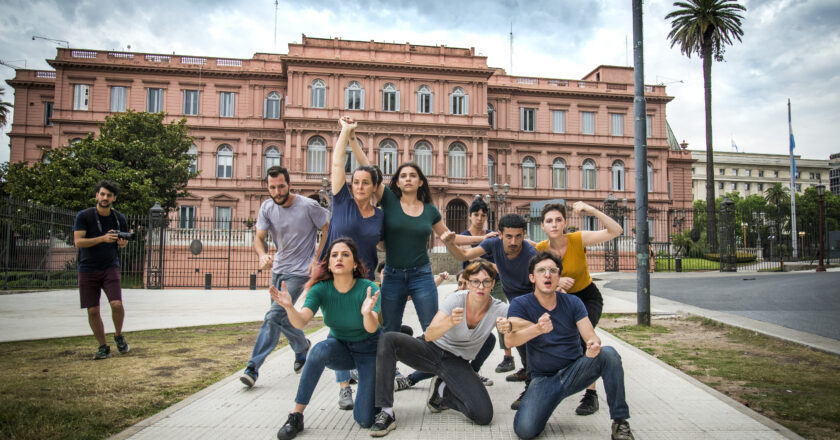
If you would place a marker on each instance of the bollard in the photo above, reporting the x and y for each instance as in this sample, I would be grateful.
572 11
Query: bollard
678 264
253 281
208 280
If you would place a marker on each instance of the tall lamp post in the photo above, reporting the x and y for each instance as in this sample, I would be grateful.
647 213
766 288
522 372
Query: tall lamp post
499 197
820 193
323 193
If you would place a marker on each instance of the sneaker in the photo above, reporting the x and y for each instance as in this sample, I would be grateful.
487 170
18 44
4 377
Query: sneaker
515 405
435 403
403 383
354 377
588 404
104 352
506 365
407 330
300 358
122 346
383 423
519 376
345 398
621 430
248 378
293 425
485 380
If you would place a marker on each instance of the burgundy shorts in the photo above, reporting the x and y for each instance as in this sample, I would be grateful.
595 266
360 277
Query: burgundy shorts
91 285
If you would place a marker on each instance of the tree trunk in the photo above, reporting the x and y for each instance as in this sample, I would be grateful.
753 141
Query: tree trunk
711 214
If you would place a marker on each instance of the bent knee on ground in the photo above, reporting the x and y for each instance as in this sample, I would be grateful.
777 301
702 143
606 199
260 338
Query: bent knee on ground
483 418
525 432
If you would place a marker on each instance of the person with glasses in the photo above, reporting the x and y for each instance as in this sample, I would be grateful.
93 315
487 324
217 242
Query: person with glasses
575 279
457 333
550 324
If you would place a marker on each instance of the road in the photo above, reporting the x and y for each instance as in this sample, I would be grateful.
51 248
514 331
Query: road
808 302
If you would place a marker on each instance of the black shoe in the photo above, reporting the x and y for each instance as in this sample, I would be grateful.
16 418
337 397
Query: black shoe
354 377
383 423
407 330
519 376
402 383
515 405
300 358
293 425
248 378
435 403
588 404
506 365
104 352
485 380
122 346
621 430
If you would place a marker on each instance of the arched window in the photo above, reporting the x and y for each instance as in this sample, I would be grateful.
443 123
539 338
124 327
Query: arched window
424 99
491 115
491 170
423 157
388 157
618 176
459 102
271 106
457 160
590 180
390 98
529 172
273 157
350 162
318 94
650 176
354 96
558 174
193 152
224 162
316 155
456 215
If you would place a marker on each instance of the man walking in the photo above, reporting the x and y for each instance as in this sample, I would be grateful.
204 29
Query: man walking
95 235
294 223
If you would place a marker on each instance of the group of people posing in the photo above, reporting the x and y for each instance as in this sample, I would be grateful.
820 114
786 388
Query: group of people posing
538 297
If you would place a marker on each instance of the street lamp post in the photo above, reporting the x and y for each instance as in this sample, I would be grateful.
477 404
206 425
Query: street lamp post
499 197
322 193
820 193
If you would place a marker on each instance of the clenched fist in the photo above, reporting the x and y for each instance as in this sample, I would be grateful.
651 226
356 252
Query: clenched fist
545 323
457 316
503 325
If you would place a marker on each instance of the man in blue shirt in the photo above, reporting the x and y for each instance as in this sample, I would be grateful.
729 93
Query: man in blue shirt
550 324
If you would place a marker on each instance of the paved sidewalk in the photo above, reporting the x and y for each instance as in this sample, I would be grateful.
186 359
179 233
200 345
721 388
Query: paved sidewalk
664 404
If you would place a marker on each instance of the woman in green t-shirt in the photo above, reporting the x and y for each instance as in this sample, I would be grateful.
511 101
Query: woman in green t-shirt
338 288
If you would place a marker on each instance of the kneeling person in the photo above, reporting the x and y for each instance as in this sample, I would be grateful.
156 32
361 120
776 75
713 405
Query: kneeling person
456 334
550 324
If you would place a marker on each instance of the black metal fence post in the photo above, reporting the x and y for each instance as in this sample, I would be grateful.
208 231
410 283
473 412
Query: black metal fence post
727 236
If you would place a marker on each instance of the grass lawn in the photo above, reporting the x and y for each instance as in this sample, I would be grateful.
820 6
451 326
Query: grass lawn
794 385
688 264
51 389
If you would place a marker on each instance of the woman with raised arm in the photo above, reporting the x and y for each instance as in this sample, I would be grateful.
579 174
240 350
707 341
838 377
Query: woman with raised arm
575 278
353 216
338 288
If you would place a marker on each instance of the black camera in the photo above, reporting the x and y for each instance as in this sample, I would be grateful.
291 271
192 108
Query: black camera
126 235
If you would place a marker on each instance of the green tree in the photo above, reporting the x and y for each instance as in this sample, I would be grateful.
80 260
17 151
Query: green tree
147 158
705 27
4 109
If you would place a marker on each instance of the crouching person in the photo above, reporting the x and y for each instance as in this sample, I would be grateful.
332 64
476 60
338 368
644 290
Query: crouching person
550 324
339 287
461 327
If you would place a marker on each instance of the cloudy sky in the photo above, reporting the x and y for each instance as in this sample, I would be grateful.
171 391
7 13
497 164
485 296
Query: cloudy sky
790 49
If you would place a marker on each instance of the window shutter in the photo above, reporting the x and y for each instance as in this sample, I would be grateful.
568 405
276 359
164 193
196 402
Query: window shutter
466 109
265 108
451 104
522 118
431 102
384 99
362 103
398 101
346 98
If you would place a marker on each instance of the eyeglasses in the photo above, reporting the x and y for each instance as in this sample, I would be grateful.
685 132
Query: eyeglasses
462 284
543 270
477 283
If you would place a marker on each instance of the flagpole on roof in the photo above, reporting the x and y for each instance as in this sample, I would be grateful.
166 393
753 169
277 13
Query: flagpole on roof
793 234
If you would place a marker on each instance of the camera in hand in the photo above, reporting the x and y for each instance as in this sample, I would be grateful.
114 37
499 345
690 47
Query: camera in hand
126 235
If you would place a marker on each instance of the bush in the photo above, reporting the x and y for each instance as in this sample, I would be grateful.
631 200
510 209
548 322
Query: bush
740 257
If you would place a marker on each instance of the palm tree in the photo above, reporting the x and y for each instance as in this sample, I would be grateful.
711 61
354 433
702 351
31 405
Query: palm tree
4 109
705 27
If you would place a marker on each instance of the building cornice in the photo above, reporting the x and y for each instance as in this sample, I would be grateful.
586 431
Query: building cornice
580 93
179 70
288 61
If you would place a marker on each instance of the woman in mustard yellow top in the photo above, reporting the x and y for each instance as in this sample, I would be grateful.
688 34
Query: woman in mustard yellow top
575 279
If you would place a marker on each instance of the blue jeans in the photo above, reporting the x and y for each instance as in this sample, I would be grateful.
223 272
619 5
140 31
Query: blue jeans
546 392
277 322
476 363
340 355
398 285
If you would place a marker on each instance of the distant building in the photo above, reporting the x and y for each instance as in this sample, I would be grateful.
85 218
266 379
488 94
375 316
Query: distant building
834 173
469 126
753 173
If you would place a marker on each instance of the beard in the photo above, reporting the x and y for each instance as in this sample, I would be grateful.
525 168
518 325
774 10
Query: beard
103 203
280 201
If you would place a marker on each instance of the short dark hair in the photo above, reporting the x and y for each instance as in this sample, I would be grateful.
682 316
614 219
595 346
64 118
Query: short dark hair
424 193
322 270
477 205
512 221
109 185
542 256
275 171
552 207
373 171
477 266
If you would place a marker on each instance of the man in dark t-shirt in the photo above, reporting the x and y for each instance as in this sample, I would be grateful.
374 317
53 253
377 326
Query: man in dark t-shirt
95 234
550 325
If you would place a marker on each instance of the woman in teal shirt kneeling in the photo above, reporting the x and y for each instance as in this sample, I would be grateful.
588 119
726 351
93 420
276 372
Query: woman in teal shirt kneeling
339 288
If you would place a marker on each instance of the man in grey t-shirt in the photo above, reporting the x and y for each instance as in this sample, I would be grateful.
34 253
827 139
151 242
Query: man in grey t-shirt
463 323
294 223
